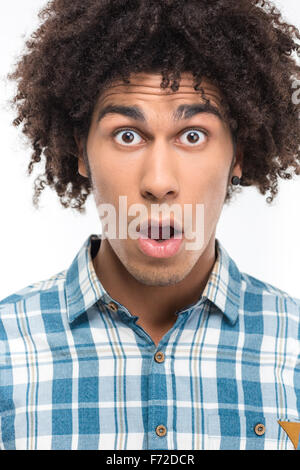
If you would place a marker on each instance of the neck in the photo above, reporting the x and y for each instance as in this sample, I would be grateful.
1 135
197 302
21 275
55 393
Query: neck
154 305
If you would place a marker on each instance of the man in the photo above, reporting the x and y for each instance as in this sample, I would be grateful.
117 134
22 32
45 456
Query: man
141 343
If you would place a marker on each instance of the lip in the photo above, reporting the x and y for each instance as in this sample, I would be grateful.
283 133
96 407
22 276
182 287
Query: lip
165 249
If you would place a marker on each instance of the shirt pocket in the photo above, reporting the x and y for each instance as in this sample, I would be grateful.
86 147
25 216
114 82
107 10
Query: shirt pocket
251 431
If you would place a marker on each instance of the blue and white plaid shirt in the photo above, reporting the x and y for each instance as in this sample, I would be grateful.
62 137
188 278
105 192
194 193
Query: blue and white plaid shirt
77 372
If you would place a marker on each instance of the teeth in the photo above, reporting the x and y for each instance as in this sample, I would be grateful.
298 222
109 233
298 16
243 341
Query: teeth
162 236
159 231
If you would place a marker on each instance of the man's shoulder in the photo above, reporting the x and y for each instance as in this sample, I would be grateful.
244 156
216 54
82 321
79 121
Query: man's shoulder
37 289
256 287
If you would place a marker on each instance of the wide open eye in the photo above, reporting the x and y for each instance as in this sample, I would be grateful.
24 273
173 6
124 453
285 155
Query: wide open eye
193 137
128 137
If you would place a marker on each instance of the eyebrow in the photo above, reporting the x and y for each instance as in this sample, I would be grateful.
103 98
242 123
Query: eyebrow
184 111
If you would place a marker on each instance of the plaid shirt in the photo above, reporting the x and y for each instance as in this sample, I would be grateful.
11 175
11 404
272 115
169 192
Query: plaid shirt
77 372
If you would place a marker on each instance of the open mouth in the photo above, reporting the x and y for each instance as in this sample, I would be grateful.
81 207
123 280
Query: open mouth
161 231
160 239
162 236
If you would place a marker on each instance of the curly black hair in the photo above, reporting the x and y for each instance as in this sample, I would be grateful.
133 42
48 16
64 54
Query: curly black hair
243 47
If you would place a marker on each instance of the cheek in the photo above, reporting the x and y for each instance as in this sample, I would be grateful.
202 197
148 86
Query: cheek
210 165
110 179
209 185
208 179
214 201
216 185
102 172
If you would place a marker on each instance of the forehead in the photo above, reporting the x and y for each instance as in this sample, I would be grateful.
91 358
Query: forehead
146 88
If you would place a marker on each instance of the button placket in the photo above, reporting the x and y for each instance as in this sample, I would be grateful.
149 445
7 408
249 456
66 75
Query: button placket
157 409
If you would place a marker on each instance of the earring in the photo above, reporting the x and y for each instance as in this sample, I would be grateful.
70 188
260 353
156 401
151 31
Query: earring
236 181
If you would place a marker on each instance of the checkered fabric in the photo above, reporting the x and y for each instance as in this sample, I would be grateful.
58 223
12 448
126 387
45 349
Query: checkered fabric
76 373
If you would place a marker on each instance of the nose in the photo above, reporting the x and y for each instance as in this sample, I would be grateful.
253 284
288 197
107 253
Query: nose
159 179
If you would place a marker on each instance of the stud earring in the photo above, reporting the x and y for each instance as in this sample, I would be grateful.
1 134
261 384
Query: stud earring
236 180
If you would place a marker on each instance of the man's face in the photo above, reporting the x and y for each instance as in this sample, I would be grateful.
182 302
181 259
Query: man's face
164 158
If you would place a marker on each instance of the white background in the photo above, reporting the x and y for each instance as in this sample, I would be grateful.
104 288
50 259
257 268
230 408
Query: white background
34 245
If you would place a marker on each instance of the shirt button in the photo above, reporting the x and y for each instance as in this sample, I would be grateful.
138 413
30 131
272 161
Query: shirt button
161 430
159 357
260 429
112 306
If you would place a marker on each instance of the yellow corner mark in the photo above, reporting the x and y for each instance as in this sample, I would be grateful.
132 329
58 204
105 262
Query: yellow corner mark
293 430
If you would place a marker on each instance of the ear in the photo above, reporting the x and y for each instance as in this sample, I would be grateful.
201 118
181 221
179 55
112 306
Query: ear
81 163
239 158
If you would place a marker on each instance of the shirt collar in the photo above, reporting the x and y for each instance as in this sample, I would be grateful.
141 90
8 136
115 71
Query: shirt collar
224 284
84 289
